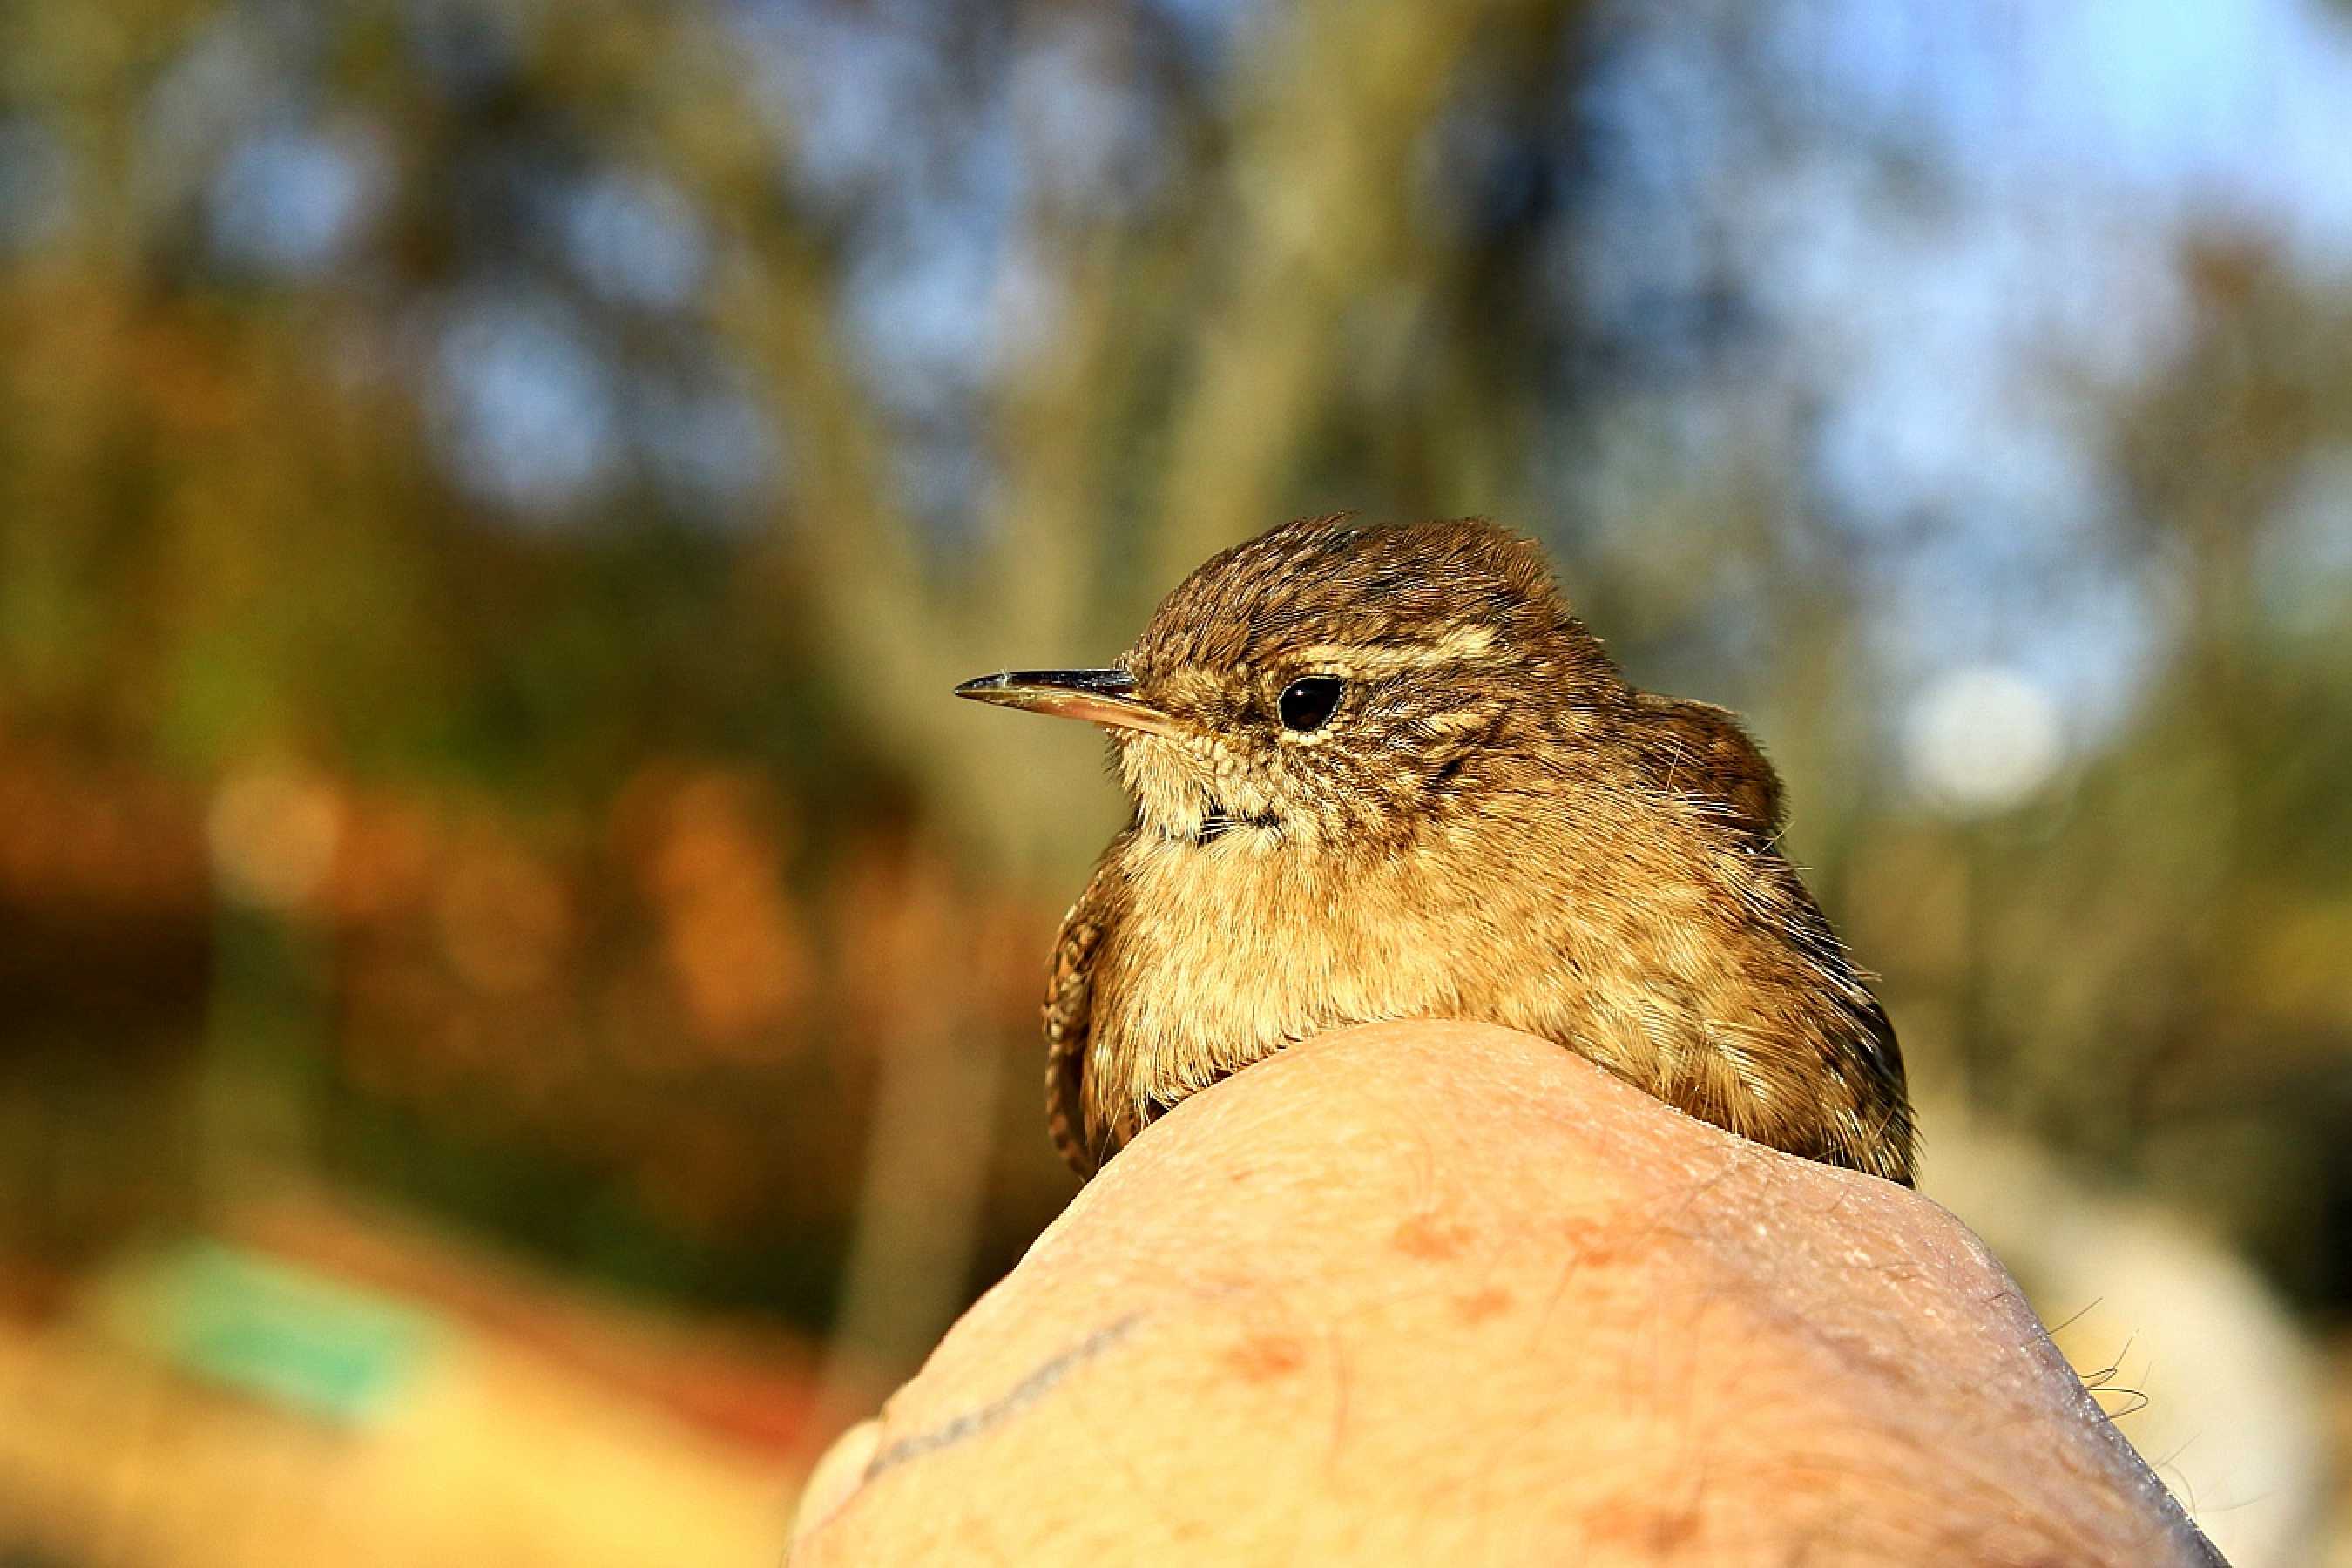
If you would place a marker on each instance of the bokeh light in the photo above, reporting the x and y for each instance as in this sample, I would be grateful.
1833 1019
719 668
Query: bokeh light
1984 739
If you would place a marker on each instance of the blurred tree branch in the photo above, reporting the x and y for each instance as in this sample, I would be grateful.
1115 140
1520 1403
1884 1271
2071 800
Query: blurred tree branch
1321 194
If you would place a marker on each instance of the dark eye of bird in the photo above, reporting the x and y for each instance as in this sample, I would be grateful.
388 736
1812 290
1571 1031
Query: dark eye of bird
1308 702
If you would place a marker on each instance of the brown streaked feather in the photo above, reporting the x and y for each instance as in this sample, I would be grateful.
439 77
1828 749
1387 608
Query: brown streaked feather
1069 1007
1890 1135
1699 749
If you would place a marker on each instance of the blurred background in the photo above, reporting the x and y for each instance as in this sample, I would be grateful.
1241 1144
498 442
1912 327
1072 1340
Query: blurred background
517 982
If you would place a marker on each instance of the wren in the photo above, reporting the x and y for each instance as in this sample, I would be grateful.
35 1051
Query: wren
1383 772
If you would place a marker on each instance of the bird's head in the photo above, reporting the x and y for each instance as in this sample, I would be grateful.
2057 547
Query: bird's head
1325 685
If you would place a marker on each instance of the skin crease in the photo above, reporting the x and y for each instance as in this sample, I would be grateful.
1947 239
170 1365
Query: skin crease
1440 1292
1492 824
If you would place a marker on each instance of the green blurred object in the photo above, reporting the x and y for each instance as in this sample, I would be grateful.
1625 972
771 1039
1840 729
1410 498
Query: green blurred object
265 1328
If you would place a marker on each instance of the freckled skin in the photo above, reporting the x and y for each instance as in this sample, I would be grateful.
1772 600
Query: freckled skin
1490 824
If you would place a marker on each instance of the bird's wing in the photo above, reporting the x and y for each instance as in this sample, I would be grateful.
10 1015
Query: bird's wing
1896 1135
1069 1007
1698 750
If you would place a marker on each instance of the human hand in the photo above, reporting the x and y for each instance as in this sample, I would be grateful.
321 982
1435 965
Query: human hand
1438 1291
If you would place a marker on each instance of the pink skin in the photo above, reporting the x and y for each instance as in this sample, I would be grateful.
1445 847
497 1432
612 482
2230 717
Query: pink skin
1438 1293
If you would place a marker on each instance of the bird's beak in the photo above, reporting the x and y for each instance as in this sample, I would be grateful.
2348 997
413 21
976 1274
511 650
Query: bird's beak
1097 696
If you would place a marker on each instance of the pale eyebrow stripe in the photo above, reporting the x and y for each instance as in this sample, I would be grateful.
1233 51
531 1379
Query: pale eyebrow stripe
1462 642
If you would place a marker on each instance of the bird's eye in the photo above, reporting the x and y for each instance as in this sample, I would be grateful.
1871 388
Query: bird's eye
1308 702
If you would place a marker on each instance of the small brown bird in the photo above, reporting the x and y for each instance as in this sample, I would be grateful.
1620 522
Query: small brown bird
1383 772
